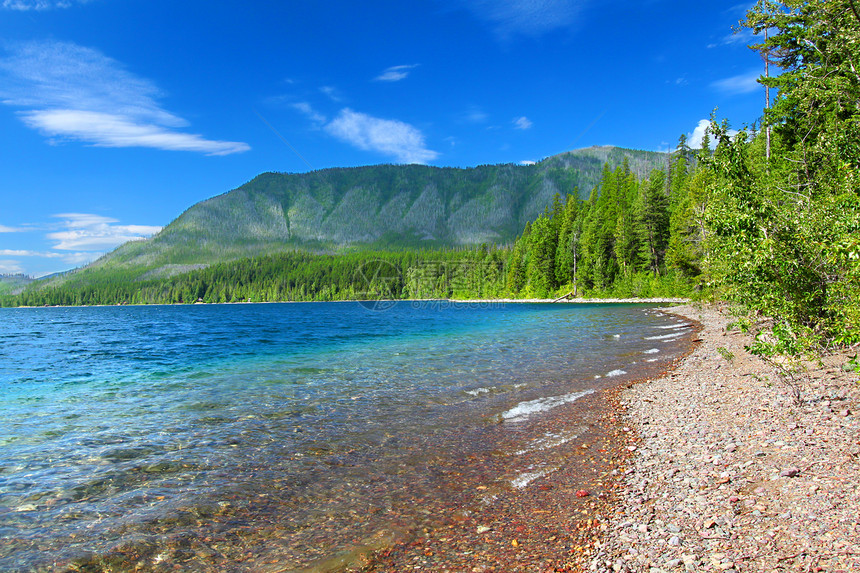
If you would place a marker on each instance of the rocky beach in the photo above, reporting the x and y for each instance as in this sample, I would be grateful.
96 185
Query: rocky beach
728 472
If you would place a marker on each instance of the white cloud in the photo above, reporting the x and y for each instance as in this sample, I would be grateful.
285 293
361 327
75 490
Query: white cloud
528 162
309 111
526 17
694 140
23 253
9 267
5 229
387 136
87 232
331 93
744 37
475 115
25 5
78 93
111 130
523 123
740 84
395 73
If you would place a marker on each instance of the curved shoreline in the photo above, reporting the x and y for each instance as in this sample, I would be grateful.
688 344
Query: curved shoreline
555 519
730 473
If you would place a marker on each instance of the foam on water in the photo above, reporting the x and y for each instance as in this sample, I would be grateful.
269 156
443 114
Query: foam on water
479 391
616 372
546 442
523 410
664 337
651 351
673 326
526 478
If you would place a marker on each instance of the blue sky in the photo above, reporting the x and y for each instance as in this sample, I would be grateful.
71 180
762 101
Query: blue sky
117 115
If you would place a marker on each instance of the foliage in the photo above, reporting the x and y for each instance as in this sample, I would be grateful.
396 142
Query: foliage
378 207
11 284
614 244
611 245
783 231
294 276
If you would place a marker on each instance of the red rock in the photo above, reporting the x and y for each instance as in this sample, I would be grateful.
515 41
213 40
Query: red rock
581 493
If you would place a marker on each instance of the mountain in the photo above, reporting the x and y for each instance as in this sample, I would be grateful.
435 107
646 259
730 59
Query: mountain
381 206
13 284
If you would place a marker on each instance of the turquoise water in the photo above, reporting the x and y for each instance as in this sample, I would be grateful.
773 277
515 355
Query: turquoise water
138 430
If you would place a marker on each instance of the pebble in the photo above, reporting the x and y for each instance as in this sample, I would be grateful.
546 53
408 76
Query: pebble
709 473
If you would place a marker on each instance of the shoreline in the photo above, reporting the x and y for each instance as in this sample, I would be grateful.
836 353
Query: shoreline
450 301
729 473
551 521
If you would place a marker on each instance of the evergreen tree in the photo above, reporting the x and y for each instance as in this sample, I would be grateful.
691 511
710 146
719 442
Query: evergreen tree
654 220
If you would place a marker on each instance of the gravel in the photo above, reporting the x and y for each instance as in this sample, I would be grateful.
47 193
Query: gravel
729 472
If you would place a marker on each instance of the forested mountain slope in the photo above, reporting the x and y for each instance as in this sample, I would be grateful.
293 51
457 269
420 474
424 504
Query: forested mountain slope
384 206
13 283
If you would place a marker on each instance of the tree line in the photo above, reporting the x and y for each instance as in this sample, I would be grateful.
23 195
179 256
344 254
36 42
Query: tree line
613 244
767 217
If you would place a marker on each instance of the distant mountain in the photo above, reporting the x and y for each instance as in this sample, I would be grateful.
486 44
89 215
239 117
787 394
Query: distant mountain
13 284
382 206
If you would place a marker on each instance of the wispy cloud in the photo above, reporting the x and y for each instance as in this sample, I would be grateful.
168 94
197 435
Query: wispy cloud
740 84
114 130
77 93
395 73
25 253
25 5
5 229
10 267
87 232
331 93
387 136
75 239
475 115
523 123
526 17
743 37
306 108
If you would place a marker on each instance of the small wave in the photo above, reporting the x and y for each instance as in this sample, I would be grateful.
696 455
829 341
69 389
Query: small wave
673 326
616 336
526 478
523 410
617 372
479 391
546 442
651 351
672 336
651 360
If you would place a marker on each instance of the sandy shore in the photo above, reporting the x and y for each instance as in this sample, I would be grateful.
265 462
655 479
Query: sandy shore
729 473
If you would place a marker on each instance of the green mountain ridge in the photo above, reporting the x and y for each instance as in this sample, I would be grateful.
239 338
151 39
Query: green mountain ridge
378 207
382 206
13 284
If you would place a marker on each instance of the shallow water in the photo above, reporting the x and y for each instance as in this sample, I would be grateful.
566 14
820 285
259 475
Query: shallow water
249 434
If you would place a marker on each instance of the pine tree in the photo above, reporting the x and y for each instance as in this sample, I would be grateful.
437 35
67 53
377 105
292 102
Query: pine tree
654 221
